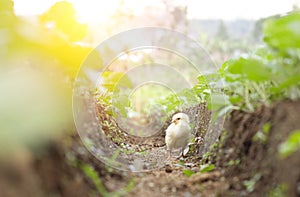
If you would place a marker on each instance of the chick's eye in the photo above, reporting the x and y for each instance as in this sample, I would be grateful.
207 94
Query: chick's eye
178 118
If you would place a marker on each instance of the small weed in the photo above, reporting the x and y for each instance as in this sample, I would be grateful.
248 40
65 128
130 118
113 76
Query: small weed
250 184
234 162
261 135
278 191
91 173
188 172
207 168
291 145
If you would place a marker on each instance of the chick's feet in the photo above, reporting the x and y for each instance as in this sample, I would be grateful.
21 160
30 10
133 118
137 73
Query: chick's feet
169 158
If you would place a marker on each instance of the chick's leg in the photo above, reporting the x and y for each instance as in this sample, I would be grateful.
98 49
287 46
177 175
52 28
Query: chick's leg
169 154
182 153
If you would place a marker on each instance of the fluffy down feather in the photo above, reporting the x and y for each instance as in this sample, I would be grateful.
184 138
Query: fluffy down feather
178 133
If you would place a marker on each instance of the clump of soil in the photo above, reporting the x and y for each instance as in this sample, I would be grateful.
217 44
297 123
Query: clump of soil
246 157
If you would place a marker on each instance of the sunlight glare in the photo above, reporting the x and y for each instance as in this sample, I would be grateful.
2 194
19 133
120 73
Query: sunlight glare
94 11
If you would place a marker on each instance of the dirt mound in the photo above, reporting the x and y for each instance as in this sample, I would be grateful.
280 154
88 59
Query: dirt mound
249 150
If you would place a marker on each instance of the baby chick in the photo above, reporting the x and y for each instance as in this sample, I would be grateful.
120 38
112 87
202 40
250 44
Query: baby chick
178 133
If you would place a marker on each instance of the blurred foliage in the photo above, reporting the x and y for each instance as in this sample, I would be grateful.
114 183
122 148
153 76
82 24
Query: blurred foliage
291 145
188 172
268 74
114 81
261 135
250 184
272 72
92 174
283 33
222 31
39 61
279 191
61 17
207 168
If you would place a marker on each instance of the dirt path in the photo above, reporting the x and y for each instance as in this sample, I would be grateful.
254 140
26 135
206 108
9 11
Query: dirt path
245 159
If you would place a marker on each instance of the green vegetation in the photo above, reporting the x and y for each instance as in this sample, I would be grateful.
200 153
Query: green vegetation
291 145
188 172
261 135
207 168
39 62
278 191
272 72
250 184
92 174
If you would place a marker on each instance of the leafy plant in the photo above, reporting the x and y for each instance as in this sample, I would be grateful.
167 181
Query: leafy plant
188 172
278 191
291 145
250 184
91 173
272 72
207 168
261 135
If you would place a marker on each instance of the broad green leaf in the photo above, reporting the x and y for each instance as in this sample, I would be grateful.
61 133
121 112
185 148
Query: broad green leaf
218 100
284 32
236 99
249 68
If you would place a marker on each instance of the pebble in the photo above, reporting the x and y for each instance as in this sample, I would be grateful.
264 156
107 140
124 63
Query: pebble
174 189
189 164
195 169
168 169
151 184
164 189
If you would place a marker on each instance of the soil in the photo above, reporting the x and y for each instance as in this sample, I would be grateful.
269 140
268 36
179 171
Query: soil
244 164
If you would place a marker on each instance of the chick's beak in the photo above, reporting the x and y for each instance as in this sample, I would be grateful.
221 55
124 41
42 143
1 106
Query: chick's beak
174 121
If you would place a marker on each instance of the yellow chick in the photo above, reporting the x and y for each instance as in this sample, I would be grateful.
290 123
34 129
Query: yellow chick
178 133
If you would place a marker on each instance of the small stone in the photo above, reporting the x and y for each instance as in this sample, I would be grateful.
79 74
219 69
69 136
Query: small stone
222 179
189 164
168 169
164 189
174 189
195 169
235 179
151 184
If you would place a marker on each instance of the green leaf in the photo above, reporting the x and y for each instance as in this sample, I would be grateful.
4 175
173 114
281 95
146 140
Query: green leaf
236 99
217 101
114 80
249 68
188 172
92 174
291 81
207 168
266 128
250 184
291 145
284 32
